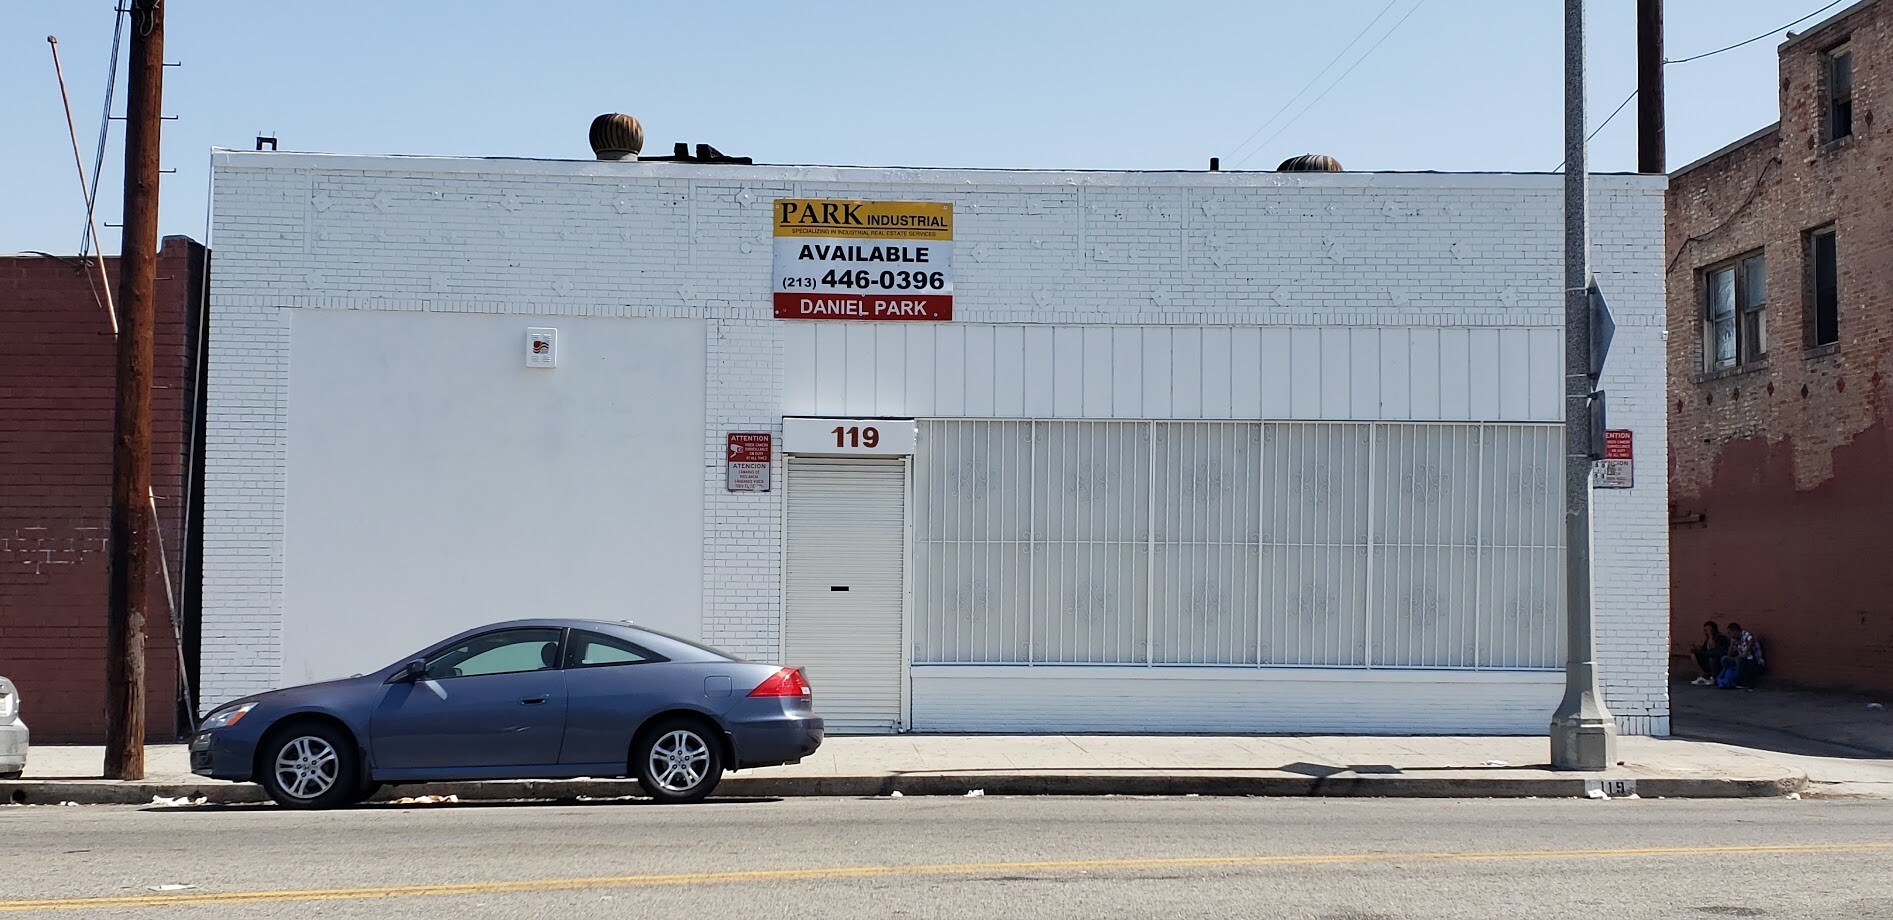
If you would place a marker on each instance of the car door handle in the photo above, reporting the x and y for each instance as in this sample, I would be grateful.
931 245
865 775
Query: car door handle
534 700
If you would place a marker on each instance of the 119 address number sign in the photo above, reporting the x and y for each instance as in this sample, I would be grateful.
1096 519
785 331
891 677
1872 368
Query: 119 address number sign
849 437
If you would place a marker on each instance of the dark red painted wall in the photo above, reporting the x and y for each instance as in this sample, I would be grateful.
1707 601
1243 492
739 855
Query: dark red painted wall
57 366
1788 460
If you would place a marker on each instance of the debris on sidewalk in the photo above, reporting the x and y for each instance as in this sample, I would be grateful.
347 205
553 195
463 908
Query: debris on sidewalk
975 793
1495 763
894 795
1875 706
428 800
169 887
1597 793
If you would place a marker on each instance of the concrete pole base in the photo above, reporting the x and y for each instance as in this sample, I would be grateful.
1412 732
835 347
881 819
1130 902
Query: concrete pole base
1579 743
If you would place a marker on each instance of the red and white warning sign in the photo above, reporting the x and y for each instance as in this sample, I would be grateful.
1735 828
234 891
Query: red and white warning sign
747 455
1618 468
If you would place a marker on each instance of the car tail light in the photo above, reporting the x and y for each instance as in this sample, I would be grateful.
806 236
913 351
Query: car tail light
785 682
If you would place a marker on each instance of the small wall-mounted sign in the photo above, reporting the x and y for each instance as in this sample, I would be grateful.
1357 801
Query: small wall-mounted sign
849 437
1618 468
542 347
747 456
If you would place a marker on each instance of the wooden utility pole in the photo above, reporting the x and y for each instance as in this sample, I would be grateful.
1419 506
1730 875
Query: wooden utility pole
132 521
1650 153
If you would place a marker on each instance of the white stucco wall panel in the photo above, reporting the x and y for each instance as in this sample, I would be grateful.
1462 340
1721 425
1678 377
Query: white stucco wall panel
1233 701
436 483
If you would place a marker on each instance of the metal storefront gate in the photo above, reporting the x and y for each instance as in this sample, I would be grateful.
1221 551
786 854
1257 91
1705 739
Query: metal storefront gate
845 584
1311 544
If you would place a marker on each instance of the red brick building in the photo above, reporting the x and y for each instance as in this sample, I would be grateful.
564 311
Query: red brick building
57 367
1780 345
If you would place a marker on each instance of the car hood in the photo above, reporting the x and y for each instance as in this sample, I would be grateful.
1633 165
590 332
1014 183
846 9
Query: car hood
321 694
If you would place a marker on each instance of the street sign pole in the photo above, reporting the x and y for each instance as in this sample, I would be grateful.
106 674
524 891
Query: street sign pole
1583 734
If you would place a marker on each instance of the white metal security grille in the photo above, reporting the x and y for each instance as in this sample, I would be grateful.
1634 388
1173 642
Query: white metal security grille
845 583
1336 544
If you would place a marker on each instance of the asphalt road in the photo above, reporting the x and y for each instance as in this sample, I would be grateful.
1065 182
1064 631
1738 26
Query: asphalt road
963 857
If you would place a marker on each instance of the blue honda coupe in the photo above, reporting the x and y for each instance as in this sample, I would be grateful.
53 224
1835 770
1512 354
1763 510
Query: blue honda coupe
531 699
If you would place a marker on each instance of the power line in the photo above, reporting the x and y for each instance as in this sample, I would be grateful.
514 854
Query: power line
1316 79
105 127
1757 38
1600 127
1337 82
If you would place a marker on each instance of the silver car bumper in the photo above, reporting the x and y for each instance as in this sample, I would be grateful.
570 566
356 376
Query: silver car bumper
13 740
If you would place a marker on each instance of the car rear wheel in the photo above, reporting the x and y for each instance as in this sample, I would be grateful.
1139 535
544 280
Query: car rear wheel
678 761
310 765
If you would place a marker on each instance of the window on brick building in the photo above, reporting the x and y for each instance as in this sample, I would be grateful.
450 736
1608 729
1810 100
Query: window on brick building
1840 94
1824 272
1735 312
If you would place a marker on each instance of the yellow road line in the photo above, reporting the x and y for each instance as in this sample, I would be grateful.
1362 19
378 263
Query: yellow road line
845 872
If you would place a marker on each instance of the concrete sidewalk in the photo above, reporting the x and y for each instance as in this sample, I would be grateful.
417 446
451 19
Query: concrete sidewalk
1434 767
1842 741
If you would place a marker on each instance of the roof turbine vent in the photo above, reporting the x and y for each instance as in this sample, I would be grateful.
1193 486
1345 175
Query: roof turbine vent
1310 162
616 136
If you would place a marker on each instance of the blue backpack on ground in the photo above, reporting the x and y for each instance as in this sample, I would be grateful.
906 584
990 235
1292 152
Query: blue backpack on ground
1726 679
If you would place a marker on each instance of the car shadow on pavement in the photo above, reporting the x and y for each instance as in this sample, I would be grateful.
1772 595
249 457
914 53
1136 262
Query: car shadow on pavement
398 805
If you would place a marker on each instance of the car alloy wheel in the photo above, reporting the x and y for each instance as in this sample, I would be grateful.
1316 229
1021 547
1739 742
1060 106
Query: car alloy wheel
306 767
310 765
678 761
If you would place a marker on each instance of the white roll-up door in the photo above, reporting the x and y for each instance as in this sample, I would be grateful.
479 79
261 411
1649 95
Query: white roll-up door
846 573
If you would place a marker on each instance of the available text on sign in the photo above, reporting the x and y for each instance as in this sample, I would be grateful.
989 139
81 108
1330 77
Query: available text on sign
872 260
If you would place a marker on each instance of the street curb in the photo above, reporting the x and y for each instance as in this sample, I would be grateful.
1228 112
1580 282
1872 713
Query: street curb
103 792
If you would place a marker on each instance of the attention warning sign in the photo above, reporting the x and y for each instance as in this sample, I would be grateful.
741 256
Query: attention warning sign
863 260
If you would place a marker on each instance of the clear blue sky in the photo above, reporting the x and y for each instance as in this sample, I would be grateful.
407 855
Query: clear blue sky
1460 85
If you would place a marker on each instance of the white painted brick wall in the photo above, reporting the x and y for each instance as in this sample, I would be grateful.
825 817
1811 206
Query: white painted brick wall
580 238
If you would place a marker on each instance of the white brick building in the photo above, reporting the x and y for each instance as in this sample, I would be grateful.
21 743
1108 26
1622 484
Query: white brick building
1197 451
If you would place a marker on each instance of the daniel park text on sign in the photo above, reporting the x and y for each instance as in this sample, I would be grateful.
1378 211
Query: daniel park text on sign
863 260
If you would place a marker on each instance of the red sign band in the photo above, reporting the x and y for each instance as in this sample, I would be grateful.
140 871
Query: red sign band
923 307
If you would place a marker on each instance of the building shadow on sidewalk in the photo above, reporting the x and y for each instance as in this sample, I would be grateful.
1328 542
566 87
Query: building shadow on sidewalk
1790 721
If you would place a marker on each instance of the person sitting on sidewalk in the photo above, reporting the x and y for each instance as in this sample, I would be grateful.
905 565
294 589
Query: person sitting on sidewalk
1744 661
1709 655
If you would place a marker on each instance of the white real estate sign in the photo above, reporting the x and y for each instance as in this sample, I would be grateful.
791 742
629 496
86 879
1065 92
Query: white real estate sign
863 260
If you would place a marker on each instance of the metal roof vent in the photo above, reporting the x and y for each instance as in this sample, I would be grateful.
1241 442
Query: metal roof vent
616 136
1310 162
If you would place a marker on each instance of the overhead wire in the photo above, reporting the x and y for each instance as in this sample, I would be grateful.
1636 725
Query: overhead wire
1337 82
1316 79
1698 57
1601 125
1747 41
105 128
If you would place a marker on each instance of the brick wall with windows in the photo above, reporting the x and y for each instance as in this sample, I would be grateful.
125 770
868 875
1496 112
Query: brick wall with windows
1780 263
57 368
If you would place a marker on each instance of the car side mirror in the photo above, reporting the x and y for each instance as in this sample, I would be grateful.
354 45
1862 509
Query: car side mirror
415 670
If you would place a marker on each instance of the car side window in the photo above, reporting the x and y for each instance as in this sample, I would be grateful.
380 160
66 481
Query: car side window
589 649
507 651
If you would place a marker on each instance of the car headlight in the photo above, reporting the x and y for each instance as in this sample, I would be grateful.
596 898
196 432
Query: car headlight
227 716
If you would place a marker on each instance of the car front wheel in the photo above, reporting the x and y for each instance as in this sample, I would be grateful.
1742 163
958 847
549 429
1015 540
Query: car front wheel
678 761
310 766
